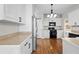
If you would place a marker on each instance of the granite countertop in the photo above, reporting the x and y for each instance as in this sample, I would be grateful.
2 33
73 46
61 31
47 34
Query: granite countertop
14 38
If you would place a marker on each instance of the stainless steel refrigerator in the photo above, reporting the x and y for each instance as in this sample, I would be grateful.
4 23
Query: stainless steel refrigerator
34 33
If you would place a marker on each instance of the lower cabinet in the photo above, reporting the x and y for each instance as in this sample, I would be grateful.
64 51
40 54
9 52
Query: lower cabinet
30 46
46 33
26 46
70 48
59 33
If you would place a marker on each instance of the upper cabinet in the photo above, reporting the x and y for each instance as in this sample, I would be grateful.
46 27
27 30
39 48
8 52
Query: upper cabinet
14 13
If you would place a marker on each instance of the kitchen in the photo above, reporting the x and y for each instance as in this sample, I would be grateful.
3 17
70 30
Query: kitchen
22 25
15 30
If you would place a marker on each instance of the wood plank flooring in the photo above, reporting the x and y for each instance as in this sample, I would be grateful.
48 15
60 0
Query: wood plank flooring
48 46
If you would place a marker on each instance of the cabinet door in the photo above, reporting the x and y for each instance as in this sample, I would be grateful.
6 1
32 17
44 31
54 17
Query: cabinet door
1 11
21 12
24 47
46 33
10 11
15 12
59 33
30 45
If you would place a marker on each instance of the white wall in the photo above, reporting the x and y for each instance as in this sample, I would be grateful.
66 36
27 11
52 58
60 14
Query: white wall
74 17
28 19
6 28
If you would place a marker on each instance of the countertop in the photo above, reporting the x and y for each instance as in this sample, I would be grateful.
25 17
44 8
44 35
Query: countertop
73 41
14 38
75 32
56 27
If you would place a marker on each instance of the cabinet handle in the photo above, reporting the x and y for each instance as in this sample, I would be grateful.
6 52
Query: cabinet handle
29 46
20 19
26 44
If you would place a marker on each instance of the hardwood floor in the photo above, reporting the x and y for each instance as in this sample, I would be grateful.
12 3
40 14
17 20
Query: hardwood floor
48 46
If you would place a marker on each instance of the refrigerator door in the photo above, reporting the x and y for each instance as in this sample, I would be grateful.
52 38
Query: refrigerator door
34 32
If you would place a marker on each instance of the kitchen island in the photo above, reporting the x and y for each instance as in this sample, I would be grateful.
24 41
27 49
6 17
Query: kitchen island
19 42
70 45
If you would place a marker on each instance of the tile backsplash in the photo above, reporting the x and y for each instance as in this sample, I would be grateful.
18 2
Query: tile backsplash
8 28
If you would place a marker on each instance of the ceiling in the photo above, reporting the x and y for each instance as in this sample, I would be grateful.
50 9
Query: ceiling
58 8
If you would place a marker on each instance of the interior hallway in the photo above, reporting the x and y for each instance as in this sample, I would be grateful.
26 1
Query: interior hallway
48 46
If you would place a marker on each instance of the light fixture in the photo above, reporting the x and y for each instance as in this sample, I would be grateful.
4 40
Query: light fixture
55 15
48 15
52 15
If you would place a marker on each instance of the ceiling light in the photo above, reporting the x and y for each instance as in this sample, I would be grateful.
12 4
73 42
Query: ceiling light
52 13
55 15
48 16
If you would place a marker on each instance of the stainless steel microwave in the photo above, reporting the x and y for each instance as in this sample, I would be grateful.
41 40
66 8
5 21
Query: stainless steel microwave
52 23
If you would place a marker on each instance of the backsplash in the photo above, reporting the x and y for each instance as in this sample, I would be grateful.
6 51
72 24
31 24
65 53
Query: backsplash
75 29
6 28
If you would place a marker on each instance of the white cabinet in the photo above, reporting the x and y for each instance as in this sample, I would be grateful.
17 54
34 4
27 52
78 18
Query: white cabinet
9 49
21 12
1 11
12 13
59 33
46 33
58 21
70 48
26 46
30 45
